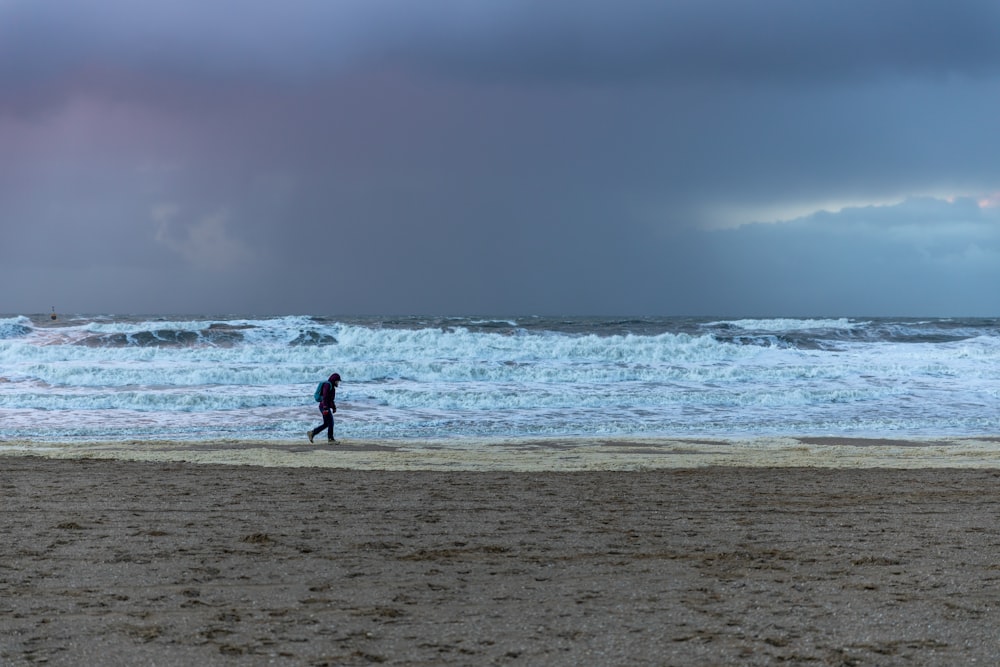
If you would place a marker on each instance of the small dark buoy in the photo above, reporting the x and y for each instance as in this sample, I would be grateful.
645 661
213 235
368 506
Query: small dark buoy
53 316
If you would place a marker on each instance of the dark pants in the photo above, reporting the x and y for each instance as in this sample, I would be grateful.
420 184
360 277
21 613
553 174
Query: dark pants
327 424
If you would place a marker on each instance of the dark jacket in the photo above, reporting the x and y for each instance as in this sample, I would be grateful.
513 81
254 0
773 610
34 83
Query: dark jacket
327 397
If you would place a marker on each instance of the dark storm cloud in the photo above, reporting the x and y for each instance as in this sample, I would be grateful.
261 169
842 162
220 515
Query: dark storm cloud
496 156
777 41
564 40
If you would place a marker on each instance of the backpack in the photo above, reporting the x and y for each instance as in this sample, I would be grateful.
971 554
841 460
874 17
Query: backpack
318 394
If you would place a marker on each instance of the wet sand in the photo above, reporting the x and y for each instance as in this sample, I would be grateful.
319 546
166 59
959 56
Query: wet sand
114 562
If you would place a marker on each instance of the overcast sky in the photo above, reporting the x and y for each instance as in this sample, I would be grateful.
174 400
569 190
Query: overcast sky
716 157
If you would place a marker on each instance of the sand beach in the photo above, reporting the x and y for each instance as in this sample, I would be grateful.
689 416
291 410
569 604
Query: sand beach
170 563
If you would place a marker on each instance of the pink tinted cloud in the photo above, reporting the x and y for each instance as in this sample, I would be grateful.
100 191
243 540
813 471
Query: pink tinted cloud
990 200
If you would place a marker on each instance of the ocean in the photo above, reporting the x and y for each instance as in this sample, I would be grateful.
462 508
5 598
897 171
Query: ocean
466 381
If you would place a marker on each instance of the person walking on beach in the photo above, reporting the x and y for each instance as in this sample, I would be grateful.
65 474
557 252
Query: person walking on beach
327 393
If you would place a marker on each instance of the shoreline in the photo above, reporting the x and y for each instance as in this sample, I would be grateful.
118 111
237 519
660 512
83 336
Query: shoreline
542 454
173 563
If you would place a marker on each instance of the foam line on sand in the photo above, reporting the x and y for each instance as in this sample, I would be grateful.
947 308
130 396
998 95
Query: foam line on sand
545 454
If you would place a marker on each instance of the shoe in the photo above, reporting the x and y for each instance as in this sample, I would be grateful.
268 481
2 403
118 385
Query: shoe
331 441
310 434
